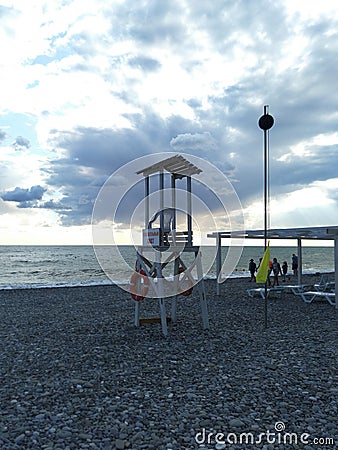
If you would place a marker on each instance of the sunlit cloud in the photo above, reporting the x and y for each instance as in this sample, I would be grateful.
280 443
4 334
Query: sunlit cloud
88 86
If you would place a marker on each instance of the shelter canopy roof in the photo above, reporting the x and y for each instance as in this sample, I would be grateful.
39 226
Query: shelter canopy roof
176 165
314 233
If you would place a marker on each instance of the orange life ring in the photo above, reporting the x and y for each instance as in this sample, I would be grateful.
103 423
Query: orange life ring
139 285
183 290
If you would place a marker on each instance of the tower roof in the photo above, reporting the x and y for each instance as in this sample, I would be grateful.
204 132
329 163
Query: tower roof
176 165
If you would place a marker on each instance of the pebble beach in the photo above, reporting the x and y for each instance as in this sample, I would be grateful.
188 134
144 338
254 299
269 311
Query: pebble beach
76 373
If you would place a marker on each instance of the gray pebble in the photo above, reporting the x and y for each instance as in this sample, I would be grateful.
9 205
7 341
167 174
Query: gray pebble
236 423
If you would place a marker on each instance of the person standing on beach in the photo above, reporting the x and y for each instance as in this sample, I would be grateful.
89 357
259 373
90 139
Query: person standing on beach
295 264
269 273
252 269
284 269
276 271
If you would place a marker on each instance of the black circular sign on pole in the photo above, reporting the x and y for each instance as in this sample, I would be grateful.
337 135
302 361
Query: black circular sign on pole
266 122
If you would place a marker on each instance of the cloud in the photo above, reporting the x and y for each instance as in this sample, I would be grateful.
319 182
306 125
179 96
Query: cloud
107 82
200 142
22 195
91 155
145 63
21 142
54 205
3 135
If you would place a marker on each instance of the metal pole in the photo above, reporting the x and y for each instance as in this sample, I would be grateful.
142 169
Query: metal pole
218 262
173 205
146 216
265 123
173 198
266 221
161 206
300 261
266 191
189 211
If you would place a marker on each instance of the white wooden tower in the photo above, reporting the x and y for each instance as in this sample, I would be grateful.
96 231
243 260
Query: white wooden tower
164 247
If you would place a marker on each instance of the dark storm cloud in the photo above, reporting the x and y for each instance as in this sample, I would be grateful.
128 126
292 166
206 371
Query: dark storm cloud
75 209
22 195
79 185
57 206
94 154
292 171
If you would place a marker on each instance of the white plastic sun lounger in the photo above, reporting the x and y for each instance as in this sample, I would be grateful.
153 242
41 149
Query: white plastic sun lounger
328 286
324 284
309 296
294 288
261 291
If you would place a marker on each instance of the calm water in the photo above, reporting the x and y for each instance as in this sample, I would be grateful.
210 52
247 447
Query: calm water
48 266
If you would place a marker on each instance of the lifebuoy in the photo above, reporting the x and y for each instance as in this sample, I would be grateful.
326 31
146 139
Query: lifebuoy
184 290
139 285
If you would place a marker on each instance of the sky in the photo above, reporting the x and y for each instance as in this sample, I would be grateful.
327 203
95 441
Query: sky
89 85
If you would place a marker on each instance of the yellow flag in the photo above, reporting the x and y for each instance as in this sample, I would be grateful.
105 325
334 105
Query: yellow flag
262 273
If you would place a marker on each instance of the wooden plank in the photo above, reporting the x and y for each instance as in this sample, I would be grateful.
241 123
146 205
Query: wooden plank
146 320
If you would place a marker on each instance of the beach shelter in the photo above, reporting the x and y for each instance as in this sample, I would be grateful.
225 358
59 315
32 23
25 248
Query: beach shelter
323 233
333 232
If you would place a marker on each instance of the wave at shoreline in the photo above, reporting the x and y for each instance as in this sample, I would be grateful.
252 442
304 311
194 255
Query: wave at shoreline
21 286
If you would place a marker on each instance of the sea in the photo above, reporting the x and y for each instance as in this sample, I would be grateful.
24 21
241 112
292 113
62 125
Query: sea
24 267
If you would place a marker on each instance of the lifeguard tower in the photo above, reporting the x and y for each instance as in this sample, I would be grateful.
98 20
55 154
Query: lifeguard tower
161 270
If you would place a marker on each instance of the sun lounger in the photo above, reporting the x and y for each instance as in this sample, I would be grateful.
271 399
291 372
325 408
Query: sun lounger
328 286
324 284
294 288
261 291
309 296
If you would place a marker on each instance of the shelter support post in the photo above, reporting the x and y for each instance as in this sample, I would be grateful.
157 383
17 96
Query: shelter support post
336 268
300 262
334 233
218 263
146 192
